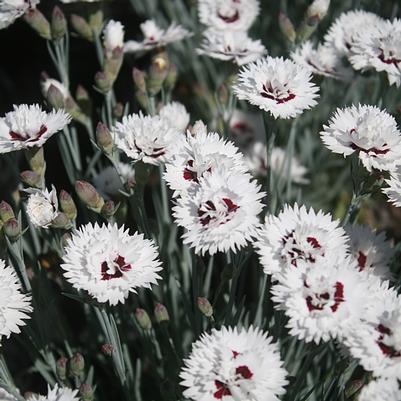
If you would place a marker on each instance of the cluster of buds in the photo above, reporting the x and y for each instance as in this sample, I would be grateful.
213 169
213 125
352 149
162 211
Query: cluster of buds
88 30
35 177
8 222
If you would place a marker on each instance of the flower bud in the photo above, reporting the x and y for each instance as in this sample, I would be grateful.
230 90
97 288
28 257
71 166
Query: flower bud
88 195
77 365
143 319
108 209
112 64
107 349
199 128
59 24
142 99
118 110
161 313
86 392
55 97
96 21
157 73
31 179
61 221
287 27
81 27
38 22
83 99
317 11
113 37
171 78
223 94
104 138
139 78
67 205
12 229
6 211
103 82
61 368
205 307
65 239
36 159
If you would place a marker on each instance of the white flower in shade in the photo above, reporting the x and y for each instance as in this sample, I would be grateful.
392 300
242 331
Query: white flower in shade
109 263
379 47
222 214
299 235
324 299
277 85
147 138
176 115
29 126
154 37
14 305
256 158
109 181
57 394
232 45
42 207
10 10
6 396
113 36
371 250
246 127
367 130
323 60
200 156
234 364
341 35
230 15
46 83
383 389
393 191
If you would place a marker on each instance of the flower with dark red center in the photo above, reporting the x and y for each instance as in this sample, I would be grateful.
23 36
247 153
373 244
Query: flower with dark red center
330 298
115 268
209 213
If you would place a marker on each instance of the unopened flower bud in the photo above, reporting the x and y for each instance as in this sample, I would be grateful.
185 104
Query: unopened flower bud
157 73
31 179
103 82
86 392
65 239
81 94
112 64
317 11
88 195
61 368
161 313
205 307
287 27
6 211
67 205
96 21
171 78
38 22
118 110
55 97
199 128
77 365
59 24
139 78
108 209
81 27
142 99
104 138
143 319
36 159
113 37
61 221
12 229
107 349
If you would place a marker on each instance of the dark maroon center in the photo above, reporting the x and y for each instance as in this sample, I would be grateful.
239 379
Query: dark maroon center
319 301
242 372
386 349
204 213
295 252
190 174
390 59
15 136
229 19
120 267
376 152
269 93
362 258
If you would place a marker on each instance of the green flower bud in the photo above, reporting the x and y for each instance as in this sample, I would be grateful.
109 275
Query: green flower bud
161 313
103 82
77 365
6 211
67 205
61 368
112 65
55 97
58 24
96 21
86 392
142 99
107 349
88 195
287 27
157 73
205 307
12 229
104 138
61 221
36 159
143 319
171 78
139 78
37 21
118 110
31 179
108 209
82 27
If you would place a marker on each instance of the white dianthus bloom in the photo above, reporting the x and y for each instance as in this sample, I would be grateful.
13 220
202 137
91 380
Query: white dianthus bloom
379 48
56 394
14 305
383 389
42 207
393 191
113 36
234 364
299 235
256 158
341 34
367 130
276 85
222 214
324 299
370 249
230 15
147 138
154 36
323 60
10 10
231 45
28 126
176 115
200 156
109 263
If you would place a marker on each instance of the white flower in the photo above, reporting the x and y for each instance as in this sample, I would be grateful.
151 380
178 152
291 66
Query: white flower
297 235
383 389
146 138
231 15
46 83
367 130
371 250
109 263
231 45
323 60
393 191
154 36
256 158
176 115
57 394
341 34
222 214
234 364
200 156
42 207
324 299
246 127
10 10
6 396
29 126
379 47
109 181
277 85
113 36
14 305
